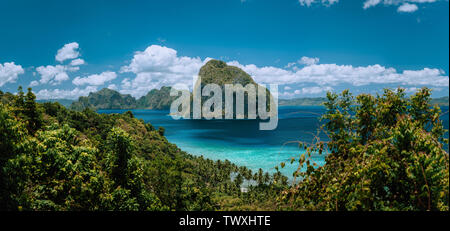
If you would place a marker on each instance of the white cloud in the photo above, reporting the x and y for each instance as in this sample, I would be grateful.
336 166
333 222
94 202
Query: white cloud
96 79
68 51
408 8
160 59
77 62
314 90
333 74
405 5
411 89
158 66
9 72
58 73
306 91
34 83
65 94
308 3
308 61
289 65
112 87
370 3
53 74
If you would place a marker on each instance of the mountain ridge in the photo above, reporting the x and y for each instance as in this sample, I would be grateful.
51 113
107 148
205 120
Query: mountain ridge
165 103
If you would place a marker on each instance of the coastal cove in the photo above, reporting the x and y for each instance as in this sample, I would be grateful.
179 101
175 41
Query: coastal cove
241 142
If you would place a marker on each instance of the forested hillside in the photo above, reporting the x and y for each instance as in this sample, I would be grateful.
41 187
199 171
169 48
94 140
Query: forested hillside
52 158
383 153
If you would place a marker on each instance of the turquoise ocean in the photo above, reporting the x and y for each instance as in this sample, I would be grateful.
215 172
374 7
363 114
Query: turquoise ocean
241 141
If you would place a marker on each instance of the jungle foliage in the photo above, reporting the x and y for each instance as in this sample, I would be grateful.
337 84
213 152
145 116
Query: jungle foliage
385 152
53 158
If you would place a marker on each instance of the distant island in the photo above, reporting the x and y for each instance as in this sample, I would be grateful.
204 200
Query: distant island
111 99
65 102
213 72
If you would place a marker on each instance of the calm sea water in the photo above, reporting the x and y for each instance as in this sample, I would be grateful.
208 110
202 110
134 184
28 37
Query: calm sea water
240 141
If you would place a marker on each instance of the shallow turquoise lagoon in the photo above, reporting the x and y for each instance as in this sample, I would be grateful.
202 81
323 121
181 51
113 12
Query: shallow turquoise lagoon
240 141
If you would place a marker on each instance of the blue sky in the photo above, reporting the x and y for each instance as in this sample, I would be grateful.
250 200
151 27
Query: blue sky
305 46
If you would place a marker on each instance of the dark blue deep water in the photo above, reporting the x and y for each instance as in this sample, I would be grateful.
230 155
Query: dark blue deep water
241 141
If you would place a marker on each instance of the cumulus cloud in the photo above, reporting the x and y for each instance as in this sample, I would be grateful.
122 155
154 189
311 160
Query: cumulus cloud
68 51
308 3
305 92
314 90
308 61
58 73
96 79
411 89
161 66
76 62
408 8
53 74
370 3
34 83
333 74
405 5
65 94
289 65
9 72
158 66
112 87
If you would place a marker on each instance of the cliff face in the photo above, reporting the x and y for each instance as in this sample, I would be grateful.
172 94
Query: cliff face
156 99
218 72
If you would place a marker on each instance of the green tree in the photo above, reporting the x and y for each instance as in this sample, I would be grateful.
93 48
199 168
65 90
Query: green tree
120 148
12 134
56 171
31 111
161 131
385 153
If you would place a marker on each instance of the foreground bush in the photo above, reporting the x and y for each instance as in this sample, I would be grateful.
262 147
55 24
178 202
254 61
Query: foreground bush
385 153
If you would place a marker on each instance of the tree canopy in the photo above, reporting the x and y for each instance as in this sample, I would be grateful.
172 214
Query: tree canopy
384 153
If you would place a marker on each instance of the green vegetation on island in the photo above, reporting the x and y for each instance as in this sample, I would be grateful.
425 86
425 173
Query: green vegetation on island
218 72
111 99
104 99
156 99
